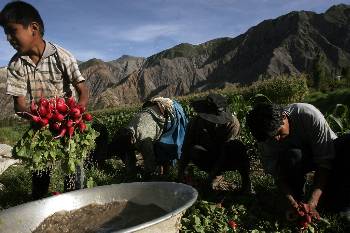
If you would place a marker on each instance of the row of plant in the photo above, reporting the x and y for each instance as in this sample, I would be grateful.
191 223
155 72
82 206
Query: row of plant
281 90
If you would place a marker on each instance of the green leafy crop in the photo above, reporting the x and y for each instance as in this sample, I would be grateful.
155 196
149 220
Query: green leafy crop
39 150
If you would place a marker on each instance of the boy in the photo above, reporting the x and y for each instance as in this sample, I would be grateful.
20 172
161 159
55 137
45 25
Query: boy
295 140
39 68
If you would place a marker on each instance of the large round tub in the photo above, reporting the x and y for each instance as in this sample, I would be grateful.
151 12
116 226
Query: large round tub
172 197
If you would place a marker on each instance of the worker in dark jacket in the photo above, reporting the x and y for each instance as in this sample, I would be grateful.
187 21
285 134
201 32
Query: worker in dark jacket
212 142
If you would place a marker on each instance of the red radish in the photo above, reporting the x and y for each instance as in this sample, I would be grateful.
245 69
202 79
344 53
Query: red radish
70 131
61 107
55 126
43 111
59 101
77 121
51 106
52 101
43 122
87 117
71 102
33 118
77 118
81 108
62 133
57 117
43 102
232 224
75 113
305 215
49 115
69 123
82 126
304 224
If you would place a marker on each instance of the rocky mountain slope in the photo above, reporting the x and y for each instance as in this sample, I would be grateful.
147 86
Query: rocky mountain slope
289 44
101 76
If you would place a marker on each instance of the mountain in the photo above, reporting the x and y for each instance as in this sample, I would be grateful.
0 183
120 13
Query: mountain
289 44
101 76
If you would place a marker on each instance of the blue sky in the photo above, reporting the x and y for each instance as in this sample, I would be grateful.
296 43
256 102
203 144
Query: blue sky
107 29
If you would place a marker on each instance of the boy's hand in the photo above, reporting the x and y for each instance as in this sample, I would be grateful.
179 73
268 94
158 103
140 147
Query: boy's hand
311 209
312 203
83 92
292 211
19 104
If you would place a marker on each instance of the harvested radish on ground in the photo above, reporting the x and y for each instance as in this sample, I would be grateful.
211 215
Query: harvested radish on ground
232 224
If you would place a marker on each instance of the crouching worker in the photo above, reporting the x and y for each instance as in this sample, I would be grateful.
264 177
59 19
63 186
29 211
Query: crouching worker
295 140
157 132
212 144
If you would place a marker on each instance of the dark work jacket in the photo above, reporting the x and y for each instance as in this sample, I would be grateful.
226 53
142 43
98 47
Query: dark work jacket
208 135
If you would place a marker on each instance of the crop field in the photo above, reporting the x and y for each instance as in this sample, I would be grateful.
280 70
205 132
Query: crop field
224 210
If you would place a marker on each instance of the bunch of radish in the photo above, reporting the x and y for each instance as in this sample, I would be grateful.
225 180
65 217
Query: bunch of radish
305 215
62 116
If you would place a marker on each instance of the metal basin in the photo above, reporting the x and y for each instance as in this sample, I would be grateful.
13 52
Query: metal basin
174 198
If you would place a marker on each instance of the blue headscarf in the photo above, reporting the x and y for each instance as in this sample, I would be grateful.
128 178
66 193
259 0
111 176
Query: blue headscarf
169 146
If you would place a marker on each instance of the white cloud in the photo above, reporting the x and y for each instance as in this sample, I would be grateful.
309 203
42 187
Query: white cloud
141 33
151 32
85 54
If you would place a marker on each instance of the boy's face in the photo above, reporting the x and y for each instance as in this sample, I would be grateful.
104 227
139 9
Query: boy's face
21 38
283 131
